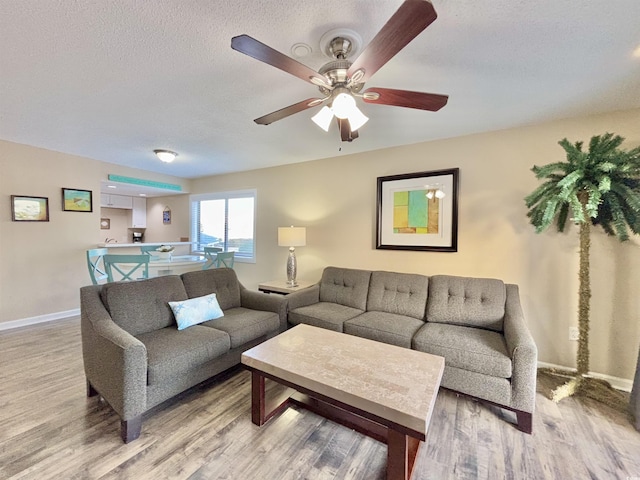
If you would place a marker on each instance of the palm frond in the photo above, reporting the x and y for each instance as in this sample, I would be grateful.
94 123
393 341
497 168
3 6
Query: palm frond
605 177
563 214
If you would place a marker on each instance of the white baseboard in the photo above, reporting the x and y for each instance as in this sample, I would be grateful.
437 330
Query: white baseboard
49 317
616 382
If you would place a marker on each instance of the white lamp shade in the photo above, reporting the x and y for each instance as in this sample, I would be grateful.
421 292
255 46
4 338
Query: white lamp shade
357 119
343 105
292 236
323 118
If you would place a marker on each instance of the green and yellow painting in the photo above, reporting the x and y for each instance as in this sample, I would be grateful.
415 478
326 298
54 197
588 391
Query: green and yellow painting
414 212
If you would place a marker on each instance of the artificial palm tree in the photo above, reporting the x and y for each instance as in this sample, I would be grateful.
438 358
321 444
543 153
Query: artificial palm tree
598 187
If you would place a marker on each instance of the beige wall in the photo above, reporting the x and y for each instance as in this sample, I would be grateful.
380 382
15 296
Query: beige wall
335 199
42 264
119 223
178 228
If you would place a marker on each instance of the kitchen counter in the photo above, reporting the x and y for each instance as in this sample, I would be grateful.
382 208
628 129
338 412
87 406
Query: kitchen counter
177 265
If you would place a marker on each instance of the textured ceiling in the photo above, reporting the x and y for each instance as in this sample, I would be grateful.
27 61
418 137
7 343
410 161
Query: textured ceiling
113 80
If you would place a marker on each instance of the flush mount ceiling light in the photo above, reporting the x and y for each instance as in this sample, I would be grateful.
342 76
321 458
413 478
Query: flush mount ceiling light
166 156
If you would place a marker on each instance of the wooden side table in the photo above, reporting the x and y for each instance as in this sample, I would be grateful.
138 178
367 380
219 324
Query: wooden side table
282 287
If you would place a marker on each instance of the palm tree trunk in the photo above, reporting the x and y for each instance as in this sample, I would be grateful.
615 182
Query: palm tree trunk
584 291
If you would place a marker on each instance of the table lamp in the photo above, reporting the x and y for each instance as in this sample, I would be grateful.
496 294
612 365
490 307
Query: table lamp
292 237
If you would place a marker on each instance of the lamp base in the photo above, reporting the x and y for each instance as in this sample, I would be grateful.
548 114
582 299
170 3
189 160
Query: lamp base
292 268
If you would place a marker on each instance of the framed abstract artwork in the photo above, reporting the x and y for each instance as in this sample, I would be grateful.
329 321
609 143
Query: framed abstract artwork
29 209
74 200
418 211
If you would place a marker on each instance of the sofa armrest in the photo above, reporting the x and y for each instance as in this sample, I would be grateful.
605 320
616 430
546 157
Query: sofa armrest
304 297
264 301
115 362
523 351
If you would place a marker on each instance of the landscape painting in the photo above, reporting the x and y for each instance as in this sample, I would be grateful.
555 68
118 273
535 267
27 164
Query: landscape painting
29 209
74 200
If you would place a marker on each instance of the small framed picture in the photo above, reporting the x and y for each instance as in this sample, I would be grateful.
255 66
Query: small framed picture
29 209
74 200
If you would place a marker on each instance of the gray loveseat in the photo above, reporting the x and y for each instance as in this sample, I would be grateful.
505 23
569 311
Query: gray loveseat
476 324
136 358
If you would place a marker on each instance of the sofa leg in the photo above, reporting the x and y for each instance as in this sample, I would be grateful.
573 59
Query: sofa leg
130 429
525 421
91 392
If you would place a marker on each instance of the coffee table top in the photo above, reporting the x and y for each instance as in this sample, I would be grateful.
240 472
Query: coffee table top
394 383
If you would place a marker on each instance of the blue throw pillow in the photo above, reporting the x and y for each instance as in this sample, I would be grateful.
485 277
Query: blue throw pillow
196 310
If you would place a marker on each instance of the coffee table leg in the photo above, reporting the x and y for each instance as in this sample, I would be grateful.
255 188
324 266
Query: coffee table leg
257 399
401 455
264 408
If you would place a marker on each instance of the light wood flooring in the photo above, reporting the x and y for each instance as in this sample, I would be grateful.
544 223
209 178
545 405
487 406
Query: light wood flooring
49 429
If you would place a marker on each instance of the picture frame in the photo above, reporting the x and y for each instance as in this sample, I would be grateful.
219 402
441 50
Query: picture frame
76 200
29 209
418 211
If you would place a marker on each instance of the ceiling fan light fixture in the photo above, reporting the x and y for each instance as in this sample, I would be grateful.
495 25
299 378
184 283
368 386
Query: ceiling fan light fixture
343 105
323 118
357 119
167 156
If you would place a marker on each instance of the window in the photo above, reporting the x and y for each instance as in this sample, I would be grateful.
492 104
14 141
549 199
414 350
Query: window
225 220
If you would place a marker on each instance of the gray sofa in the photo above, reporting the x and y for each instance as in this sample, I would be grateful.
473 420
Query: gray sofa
136 358
476 324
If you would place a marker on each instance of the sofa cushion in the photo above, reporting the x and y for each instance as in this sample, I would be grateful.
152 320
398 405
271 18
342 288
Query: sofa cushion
487 387
323 314
143 306
243 324
384 327
221 281
172 352
477 302
400 293
196 310
345 286
468 348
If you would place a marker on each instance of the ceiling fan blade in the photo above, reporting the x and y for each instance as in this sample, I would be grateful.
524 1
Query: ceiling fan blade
290 110
345 130
258 50
410 19
406 98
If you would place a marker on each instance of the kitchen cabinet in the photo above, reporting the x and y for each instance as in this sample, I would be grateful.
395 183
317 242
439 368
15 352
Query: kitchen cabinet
116 201
139 212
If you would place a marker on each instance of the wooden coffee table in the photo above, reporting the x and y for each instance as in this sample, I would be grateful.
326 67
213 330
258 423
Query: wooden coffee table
381 390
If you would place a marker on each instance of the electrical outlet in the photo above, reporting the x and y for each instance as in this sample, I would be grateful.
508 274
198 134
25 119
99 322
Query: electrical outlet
574 333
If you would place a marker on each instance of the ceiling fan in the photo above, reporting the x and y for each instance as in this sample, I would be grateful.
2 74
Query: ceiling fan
341 81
